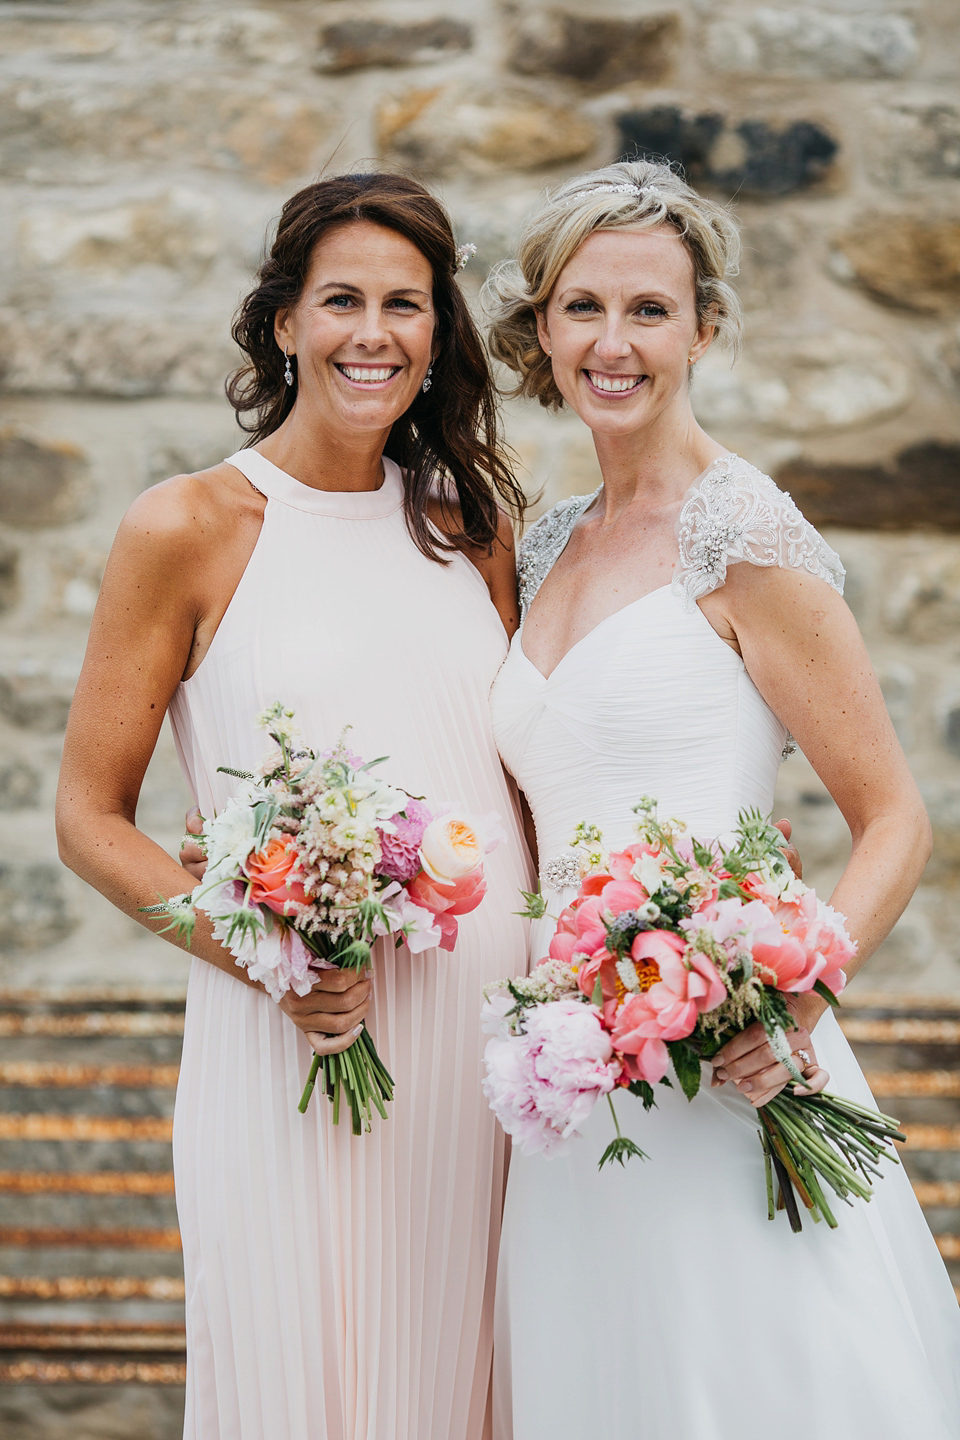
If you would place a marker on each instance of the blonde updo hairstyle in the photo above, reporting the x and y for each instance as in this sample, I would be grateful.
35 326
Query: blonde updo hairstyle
633 194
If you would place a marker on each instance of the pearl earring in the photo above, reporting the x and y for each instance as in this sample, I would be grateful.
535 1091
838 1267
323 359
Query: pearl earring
287 372
427 382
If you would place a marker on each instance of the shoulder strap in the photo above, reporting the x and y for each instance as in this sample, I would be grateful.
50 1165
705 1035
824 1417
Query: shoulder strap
543 544
736 513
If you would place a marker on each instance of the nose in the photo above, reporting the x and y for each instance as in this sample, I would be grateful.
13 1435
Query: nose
613 342
370 331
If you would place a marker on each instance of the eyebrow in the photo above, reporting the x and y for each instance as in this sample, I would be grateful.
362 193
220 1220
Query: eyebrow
581 292
344 286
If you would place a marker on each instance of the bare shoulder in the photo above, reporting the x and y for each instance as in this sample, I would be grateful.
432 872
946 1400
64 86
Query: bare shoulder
180 513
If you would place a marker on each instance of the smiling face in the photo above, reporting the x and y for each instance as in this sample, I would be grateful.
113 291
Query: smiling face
622 329
363 328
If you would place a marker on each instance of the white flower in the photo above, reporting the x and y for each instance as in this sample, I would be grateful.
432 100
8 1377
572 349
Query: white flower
648 870
231 835
417 924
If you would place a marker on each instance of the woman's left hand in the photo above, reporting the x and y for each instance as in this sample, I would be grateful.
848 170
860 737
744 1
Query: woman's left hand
749 1063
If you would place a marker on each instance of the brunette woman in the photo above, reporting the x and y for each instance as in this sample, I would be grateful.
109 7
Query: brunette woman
355 564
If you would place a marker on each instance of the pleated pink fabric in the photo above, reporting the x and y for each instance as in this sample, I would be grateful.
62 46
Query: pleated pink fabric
340 1287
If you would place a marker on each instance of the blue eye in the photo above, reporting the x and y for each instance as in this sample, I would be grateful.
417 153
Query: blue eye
580 307
652 311
339 301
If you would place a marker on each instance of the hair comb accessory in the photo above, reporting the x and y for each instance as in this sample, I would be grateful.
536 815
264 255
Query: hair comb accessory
627 188
463 255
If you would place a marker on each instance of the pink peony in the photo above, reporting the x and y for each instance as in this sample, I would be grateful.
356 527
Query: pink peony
542 1085
814 945
445 902
400 850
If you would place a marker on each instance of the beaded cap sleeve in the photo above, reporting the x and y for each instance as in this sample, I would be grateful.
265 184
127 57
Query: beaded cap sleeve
541 546
736 513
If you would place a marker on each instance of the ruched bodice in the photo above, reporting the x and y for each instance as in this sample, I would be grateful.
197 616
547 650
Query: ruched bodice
341 1287
696 733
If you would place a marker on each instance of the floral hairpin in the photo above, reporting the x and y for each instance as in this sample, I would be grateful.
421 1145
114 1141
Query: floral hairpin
463 255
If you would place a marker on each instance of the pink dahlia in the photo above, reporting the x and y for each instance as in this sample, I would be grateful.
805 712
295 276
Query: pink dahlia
400 849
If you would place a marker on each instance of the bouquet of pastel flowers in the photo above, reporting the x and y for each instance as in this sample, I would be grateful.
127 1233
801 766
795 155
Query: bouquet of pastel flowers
314 857
670 949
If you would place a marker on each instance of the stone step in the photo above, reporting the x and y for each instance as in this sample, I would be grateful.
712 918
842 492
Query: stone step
45 1075
93 1182
40 1126
52 1025
105 1335
90 1287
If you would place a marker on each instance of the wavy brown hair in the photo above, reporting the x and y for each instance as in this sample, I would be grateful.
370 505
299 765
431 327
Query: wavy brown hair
448 442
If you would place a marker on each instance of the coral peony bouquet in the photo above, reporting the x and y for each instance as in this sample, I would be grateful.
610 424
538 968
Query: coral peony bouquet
670 949
309 862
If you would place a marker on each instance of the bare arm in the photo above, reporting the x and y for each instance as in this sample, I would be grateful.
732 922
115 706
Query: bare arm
803 651
168 580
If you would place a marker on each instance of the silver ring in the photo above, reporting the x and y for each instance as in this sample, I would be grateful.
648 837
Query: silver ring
802 1055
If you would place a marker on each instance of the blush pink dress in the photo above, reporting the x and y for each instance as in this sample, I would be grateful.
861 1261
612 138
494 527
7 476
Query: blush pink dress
340 1287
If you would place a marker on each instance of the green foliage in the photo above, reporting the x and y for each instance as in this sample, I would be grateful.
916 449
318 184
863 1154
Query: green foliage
643 1091
622 1149
686 1066
535 906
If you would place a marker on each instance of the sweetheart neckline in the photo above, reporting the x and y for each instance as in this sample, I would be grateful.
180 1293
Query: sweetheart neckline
599 625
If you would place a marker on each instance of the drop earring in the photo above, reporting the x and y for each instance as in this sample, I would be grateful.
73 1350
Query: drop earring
287 372
427 382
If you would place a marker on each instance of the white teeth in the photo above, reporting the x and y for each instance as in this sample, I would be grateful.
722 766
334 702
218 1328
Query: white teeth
615 384
365 375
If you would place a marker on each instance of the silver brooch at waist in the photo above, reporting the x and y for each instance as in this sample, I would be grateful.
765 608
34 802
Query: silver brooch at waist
562 870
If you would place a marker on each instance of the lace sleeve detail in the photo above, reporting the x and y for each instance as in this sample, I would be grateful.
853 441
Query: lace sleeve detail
543 543
737 513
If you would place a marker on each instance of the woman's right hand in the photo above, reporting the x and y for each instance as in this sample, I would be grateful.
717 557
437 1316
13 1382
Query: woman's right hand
331 1016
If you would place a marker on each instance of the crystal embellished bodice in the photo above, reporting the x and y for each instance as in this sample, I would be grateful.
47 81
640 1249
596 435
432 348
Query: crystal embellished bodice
652 701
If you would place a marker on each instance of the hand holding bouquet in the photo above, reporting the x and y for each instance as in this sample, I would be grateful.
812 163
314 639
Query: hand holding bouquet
670 949
310 861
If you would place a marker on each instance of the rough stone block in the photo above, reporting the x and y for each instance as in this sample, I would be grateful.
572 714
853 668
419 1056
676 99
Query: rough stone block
454 130
918 490
923 604
134 355
95 1412
353 44
600 51
914 141
41 483
911 262
35 698
9 574
751 157
803 384
53 128
770 41
19 786
33 907
176 229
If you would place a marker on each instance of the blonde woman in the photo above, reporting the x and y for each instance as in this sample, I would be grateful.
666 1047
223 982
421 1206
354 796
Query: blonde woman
676 625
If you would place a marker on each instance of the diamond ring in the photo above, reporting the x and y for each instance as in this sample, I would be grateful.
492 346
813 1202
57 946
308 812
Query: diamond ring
802 1055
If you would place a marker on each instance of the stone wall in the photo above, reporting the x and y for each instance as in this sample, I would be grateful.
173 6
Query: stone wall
145 147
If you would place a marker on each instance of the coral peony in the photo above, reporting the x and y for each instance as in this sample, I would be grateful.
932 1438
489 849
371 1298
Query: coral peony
446 901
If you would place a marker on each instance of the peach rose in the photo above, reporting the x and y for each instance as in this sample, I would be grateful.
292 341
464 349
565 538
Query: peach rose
446 901
451 848
275 878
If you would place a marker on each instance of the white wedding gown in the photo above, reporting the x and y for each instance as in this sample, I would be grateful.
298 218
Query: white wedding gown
658 1302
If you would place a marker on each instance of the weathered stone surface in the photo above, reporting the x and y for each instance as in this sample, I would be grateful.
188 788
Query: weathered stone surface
352 44
272 136
9 574
97 1412
914 141
481 131
133 355
33 907
176 229
951 730
35 698
250 35
752 157
770 41
19 786
923 603
803 385
919 490
41 483
600 51
911 262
